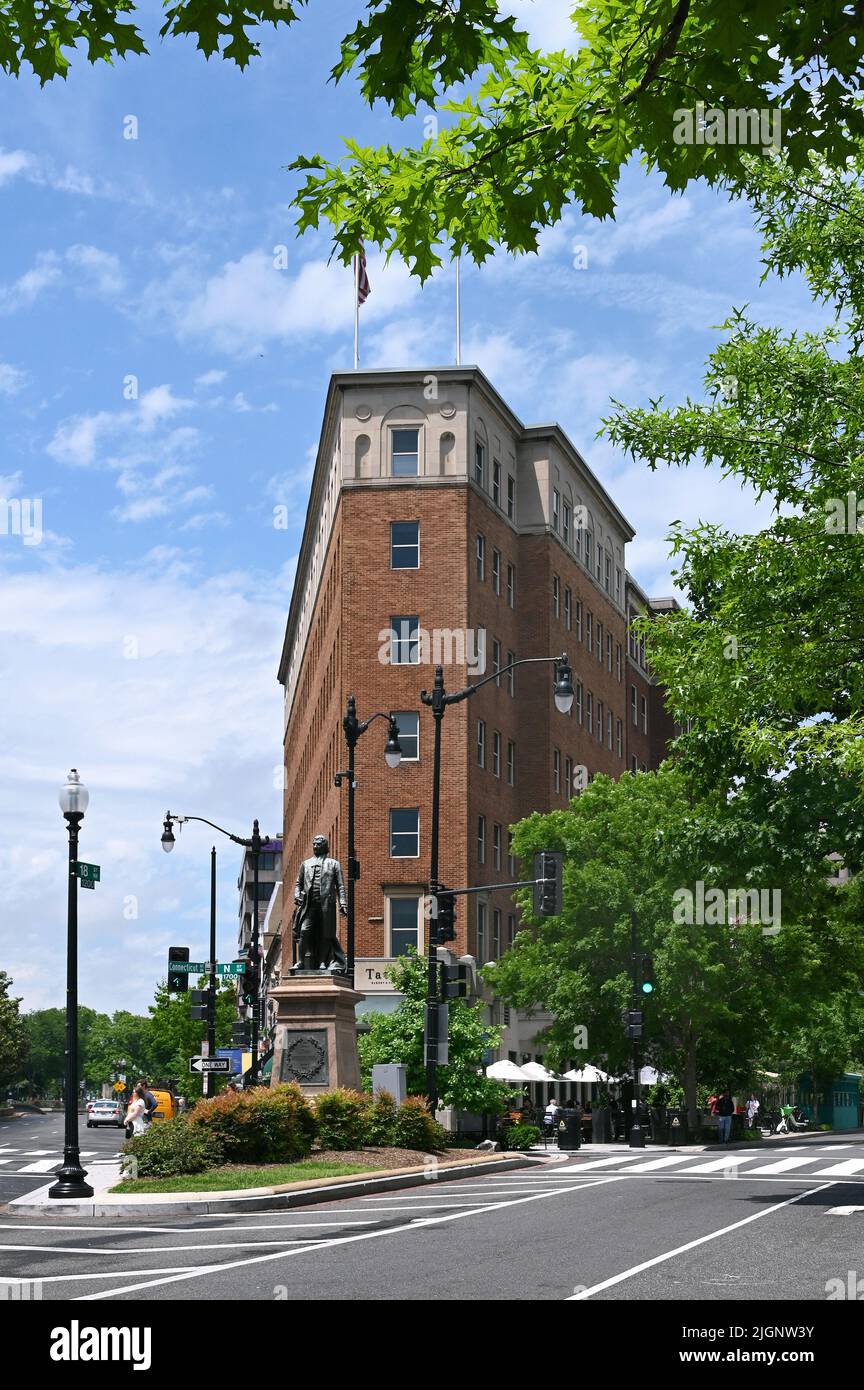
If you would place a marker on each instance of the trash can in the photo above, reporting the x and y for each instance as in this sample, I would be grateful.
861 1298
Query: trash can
679 1129
569 1129
601 1125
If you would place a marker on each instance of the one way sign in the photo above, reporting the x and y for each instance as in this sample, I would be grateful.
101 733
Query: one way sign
199 1064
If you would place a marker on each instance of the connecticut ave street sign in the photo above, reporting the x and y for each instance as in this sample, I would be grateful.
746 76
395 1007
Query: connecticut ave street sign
199 1064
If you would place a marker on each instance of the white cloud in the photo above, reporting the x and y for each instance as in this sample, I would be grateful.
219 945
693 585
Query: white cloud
546 22
12 379
211 378
28 287
12 162
101 269
76 440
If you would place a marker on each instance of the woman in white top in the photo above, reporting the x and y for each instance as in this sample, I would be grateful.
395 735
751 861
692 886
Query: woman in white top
135 1112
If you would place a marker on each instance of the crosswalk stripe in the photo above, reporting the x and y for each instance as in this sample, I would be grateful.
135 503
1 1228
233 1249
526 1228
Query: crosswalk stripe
42 1165
785 1165
656 1163
601 1163
716 1165
849 1166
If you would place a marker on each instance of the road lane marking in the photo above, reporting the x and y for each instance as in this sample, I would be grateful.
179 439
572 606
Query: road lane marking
172 1230
328 1244
691 1245
143 1250
848 1166
785 1165
42 1165
102 1274
605 1162
716 1165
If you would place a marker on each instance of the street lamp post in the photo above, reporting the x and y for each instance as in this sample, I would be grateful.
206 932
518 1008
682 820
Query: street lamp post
353 728
74 798
438 699
255 844
637 1132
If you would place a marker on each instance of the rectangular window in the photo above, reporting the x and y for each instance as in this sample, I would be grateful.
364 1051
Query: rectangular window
496 482
634 763
579 620
643 703
496 754
568 609
556 596
589 541
599 721
481 933
409 734
589 712
511 497
511 676
511 586
404 925
617 585
511 857
609 651
580 712
481 839
619 738
578 541
496 571
600 643
481 558
589 631
609 730
511 763
633 706
496 933
481 743
404 545
404 834
567 517
600 553
404 453
568 777
618 660
496 845
511 928
608 574
405 641
556 509
496 661
556 771
479 464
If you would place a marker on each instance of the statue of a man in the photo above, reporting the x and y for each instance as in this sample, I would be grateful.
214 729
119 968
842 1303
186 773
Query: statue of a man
318 889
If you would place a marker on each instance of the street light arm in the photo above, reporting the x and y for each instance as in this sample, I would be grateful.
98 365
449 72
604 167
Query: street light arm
238 840
379 714
457 695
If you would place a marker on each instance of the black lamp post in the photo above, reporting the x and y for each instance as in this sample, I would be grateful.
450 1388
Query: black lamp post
438 699
74 798
255 844
392 756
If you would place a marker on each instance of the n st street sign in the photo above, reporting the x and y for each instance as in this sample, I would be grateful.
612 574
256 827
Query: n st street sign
217 1064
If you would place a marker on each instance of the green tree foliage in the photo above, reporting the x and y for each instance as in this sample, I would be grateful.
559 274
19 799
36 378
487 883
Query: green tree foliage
398 1037
726 995
766 660
13 1035
543 130
174 1037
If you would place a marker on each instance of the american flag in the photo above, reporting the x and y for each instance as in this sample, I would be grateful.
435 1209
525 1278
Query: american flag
363 286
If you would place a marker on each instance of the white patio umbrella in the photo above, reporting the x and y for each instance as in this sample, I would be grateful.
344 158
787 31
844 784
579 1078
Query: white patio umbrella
587 1075
532 1071
506 1071
649 1077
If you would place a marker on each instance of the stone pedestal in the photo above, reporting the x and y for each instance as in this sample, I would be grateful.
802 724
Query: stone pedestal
316 1033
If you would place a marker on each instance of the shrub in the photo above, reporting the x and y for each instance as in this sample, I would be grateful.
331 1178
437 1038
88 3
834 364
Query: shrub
381 1119
414 1127
342 1118
521 1137
166 1150
265 1125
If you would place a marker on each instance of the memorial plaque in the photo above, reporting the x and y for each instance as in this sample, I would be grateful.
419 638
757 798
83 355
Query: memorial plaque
304 1057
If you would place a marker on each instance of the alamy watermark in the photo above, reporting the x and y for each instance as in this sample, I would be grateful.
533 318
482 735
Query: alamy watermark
404 644
701 125
844 515
712 907
22 516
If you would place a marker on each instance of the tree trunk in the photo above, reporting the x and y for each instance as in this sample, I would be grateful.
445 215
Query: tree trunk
690 1081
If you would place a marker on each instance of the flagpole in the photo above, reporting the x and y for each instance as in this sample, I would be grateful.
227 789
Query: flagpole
356 312
458 311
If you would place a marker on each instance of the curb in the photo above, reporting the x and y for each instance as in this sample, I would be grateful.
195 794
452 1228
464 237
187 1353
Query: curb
260 1198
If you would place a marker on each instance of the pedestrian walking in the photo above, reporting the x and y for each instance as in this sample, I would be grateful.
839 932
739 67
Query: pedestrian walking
725 1111
752 1111
135 1113
150 1101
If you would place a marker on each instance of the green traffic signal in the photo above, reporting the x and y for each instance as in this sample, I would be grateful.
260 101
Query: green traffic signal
647 987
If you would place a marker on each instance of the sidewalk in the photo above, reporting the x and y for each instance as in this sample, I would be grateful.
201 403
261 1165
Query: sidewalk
314 1190
845 1136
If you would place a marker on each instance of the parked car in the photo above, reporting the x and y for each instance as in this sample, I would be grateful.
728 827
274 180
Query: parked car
107 1112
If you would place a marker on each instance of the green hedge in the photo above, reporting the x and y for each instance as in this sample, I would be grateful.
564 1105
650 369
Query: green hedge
166 1150
519 1137
265 1125
414 1127
342 1118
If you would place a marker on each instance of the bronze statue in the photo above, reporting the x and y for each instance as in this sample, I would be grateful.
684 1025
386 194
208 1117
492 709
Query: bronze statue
318 889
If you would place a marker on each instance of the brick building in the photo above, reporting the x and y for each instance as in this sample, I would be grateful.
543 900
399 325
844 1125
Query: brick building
440 529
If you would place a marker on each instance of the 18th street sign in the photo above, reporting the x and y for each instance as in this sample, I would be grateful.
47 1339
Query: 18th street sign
217 1064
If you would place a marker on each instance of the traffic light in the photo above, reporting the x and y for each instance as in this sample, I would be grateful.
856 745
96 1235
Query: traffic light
178 980
646 975
548 889
199 1000
241 1034
249 985
455 981
446 916
632 1020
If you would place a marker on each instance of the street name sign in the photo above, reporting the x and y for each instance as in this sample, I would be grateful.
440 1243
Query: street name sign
88 873
233 967
188 967
217 1064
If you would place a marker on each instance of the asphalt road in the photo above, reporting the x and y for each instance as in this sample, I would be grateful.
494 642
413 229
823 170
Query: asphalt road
764 1225
31 1148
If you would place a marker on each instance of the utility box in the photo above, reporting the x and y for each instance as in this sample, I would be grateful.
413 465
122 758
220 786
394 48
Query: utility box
393 1078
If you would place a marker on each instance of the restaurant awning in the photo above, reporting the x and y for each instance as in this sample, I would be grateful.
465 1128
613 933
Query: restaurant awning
588 1075
506 1071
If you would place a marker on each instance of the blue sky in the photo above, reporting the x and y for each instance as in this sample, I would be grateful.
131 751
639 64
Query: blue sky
161 388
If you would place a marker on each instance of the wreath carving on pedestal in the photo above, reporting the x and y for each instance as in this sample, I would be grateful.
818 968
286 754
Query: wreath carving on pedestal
304 1070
